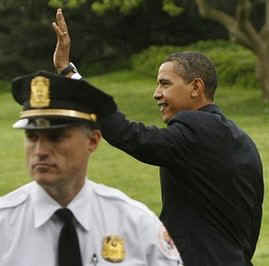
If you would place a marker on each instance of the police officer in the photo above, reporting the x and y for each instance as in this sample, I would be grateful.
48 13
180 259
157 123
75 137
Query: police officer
62 218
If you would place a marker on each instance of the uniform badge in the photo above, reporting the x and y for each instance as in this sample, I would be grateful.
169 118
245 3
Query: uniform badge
40 92
113 248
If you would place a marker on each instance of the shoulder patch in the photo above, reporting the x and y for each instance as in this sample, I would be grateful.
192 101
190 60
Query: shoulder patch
13 199
167 245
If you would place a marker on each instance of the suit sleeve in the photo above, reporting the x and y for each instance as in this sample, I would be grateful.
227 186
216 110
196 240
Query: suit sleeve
157 146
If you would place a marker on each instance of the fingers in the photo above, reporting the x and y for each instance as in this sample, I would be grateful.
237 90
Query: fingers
62 50
60 21
58 31
60 26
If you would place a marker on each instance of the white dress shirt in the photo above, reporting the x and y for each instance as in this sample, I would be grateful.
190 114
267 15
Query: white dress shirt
29 229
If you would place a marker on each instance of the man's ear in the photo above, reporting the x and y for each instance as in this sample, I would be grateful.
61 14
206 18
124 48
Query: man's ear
198 88
94 138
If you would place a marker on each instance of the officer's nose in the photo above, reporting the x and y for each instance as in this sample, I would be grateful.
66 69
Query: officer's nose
41 148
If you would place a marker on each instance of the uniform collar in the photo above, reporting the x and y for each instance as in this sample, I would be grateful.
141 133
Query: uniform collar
81 205
45 206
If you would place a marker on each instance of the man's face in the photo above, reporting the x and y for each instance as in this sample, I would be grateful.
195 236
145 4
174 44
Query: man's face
59 156
172 94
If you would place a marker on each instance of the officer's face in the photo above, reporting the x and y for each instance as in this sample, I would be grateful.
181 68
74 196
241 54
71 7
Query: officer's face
172 94
59 156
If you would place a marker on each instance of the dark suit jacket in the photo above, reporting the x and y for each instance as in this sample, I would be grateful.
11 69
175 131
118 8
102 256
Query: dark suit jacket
211 181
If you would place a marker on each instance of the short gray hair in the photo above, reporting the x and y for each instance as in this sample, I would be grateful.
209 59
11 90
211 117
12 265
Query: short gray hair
88 128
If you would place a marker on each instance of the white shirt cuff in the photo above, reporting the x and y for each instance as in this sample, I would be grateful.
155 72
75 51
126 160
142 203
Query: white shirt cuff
76 76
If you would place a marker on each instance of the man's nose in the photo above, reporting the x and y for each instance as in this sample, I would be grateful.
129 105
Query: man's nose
157 93
42 148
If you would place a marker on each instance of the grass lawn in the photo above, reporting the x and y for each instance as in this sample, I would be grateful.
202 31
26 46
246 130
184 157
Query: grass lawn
133 92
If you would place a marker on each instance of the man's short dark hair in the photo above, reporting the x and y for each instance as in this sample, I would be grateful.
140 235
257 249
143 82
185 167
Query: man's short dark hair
193 65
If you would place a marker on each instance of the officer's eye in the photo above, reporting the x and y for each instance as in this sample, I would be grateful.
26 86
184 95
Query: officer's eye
56 136
31 135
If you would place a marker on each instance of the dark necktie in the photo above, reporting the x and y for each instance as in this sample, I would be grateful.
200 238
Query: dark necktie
68 245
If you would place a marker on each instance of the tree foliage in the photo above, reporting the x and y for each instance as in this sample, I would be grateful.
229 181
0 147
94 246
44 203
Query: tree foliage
124 6
27 39
24 25
66 3
244 30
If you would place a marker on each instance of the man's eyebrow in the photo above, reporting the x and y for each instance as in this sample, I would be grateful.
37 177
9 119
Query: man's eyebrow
163 80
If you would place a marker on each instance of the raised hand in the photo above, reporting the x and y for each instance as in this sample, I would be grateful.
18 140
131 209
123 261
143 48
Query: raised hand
62 50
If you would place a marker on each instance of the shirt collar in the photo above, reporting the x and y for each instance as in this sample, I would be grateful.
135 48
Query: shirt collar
211 108
45 206
81 205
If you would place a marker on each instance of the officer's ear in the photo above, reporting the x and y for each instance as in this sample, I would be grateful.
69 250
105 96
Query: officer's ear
198 88
94 137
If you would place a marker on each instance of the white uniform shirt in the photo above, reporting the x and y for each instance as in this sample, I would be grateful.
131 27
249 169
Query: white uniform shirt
29 229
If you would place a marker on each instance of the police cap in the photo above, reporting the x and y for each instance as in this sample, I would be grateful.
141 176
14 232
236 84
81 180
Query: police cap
53 101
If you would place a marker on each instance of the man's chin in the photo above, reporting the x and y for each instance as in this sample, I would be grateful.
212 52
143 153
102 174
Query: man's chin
165 119
44 179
